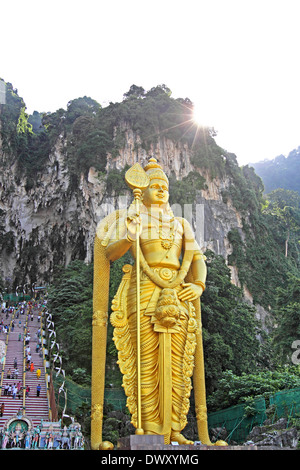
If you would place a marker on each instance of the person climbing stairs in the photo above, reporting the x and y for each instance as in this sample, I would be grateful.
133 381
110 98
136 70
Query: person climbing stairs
17 374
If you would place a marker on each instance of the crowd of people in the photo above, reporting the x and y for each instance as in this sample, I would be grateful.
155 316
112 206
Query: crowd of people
67 438
15 390
19 314
4 323
24 437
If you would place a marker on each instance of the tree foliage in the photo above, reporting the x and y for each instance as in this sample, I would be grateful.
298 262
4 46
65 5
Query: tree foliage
70 302
229 326
234 389
284 205
287 314
92 132
260 246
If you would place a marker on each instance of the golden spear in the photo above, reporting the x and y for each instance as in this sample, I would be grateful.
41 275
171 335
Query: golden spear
138 180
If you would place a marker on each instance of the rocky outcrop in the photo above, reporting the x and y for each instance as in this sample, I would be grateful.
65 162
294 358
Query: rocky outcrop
52 223
274 435
174 157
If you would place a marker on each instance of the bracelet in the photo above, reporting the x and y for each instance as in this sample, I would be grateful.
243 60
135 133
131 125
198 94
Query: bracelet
200 283
130 240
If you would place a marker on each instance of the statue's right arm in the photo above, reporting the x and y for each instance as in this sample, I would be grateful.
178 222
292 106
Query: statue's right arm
120 242
117 249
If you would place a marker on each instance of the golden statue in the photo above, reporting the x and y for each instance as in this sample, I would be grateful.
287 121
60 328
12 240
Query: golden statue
155 313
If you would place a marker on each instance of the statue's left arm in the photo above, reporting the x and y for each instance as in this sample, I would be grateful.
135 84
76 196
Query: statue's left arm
193 289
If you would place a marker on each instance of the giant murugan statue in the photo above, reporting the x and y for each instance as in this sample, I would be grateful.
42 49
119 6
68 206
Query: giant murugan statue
155 313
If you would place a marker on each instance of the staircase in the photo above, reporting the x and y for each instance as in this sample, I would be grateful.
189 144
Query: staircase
36 408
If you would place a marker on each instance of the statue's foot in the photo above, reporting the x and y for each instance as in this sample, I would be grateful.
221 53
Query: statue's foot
106 445
177 437
221 443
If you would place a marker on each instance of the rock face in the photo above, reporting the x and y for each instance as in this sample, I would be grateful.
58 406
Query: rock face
274 435
54 224
174 157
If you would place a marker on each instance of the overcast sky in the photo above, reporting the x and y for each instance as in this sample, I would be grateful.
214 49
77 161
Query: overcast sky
236 60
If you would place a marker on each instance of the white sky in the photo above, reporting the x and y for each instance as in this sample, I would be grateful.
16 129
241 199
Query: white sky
237 60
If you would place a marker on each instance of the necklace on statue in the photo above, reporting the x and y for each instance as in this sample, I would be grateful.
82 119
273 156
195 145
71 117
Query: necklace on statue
166 236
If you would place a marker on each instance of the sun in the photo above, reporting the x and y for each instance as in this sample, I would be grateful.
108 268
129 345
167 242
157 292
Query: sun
198 115
202 115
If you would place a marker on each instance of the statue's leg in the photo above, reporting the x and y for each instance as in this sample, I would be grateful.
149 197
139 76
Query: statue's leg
182 369
149 373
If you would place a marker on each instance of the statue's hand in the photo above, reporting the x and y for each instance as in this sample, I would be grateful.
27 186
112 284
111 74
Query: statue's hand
190 291
133 223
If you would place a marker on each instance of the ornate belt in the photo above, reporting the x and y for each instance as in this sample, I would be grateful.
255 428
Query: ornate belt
167 274
164 273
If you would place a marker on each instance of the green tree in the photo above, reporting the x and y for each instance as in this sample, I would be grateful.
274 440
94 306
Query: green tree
234 389
81 107
284 204
70 302
13 120
136 91
184 191
35 120
287 315
229 326
23 125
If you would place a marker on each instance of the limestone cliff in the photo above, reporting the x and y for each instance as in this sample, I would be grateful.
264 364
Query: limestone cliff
63 172
51 223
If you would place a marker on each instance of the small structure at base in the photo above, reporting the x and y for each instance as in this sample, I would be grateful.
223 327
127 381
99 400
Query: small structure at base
19 433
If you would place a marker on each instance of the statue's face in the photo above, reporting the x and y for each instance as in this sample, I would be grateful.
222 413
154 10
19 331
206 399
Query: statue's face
156 193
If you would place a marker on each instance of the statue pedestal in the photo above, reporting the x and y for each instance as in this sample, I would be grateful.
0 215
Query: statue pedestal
155 442
141 442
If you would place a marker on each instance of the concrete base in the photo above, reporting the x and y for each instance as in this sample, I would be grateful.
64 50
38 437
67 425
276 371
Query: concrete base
141 442
155 442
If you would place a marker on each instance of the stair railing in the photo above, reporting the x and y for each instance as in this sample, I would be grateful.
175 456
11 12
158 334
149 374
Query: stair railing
24 360
43 333
6 344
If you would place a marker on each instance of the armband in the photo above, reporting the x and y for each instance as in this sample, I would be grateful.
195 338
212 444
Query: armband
200 283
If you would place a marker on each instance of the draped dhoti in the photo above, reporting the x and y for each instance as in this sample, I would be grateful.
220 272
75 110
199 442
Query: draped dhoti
168 341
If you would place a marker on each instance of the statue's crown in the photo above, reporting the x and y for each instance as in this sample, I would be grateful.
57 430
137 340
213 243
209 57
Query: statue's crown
153 163
155 170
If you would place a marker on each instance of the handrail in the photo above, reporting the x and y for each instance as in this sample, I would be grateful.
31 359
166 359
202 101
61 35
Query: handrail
6 344
24 362
3 364
44 364
53 403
